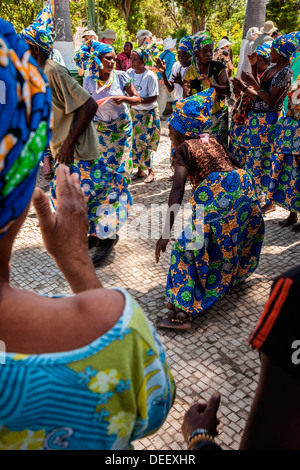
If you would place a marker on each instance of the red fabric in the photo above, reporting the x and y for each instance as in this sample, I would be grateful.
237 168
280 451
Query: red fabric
126 61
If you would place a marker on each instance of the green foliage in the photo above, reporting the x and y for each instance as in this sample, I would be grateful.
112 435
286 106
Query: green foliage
228 20
20 13
285 14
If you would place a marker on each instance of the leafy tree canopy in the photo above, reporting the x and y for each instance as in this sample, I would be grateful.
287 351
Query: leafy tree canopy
285 14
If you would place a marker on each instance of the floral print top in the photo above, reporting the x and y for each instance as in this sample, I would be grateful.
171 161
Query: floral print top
103 396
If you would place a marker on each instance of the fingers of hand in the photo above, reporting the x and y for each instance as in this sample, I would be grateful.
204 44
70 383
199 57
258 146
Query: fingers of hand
214 402
42 207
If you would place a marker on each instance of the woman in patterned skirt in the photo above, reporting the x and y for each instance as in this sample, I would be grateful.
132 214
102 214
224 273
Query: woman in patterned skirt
145 116
107 179
260 60
221 246
268 95
284 188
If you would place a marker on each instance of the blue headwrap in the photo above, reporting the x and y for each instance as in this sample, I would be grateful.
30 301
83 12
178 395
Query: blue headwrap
41 32
146 53
287 44
88 57
264 50
186 45
201 39
25 111
191 117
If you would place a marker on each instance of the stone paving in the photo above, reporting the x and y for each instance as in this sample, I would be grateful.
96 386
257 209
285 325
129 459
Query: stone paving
213 355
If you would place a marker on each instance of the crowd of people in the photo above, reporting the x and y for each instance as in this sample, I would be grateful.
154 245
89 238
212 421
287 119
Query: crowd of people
65 384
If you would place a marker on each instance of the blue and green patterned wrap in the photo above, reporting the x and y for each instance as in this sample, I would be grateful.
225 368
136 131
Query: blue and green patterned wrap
25 114
228 250
41 32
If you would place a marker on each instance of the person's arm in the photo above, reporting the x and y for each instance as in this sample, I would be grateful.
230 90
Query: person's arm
200 425
133 97
161 67
253 60
222 88
120 65
273 422
269 98
86 115
65 232
175 200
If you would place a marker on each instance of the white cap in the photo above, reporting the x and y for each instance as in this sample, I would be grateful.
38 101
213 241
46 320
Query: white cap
169 43
109 34
223 43
89 33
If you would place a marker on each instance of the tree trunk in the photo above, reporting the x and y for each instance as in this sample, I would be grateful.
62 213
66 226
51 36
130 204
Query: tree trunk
63 30
125 9
255 16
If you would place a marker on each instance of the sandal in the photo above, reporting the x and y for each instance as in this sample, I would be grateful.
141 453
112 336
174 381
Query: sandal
150 179
177 319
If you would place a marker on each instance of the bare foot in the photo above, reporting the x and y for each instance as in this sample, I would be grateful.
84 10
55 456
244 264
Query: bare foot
138 175
268 208
290 220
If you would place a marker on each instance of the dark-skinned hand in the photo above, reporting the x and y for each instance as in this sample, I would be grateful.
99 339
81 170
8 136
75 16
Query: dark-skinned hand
202 415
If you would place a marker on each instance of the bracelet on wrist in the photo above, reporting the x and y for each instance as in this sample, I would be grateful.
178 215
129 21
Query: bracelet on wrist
198 435
258 91
245 87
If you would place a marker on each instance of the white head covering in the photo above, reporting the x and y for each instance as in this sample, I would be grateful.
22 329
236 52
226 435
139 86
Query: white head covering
169 43
109 34
223 43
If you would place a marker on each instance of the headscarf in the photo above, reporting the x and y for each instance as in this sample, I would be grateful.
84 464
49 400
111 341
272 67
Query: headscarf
264 50
88 57
41 32
186 45
287 44
146 53
200 39
202 157
24 124
190 116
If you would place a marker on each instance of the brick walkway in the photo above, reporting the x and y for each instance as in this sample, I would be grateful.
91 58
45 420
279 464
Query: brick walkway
213 355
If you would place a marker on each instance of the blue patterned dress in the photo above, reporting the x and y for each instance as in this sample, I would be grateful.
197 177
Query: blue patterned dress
284 187
228 249
259 135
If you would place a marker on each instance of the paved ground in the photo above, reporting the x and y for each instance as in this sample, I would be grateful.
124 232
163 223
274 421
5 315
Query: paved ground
213 355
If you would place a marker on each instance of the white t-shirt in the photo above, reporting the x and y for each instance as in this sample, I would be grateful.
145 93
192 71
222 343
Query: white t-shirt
178 90
146 84
109 111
